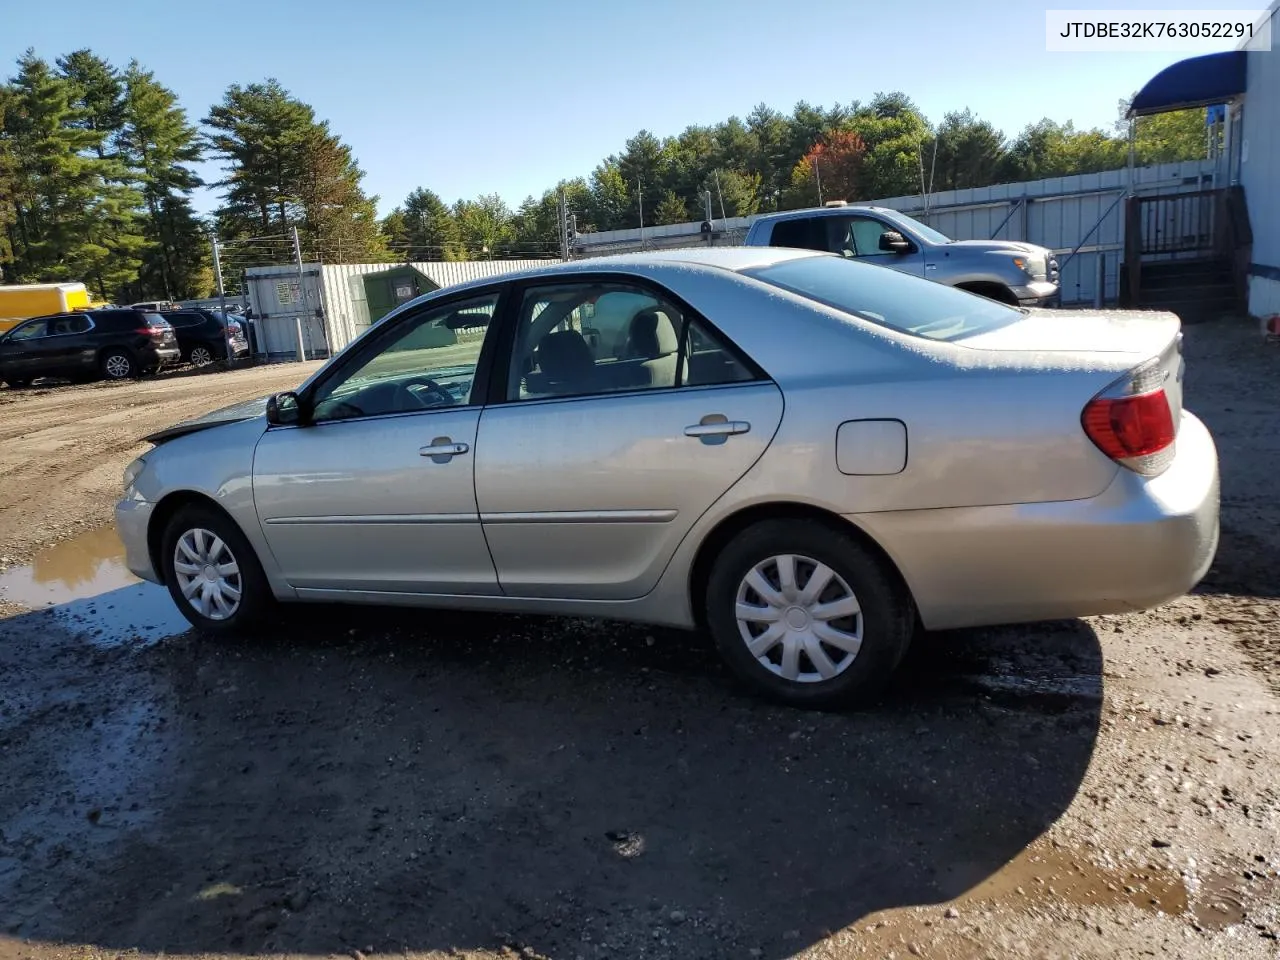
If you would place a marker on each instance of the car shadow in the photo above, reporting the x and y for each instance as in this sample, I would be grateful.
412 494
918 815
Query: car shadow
362 779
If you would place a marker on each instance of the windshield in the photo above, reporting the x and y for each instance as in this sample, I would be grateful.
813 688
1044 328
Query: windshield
910 304
925 231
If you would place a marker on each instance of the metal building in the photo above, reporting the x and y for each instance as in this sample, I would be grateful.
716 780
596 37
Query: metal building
1243 85
335 303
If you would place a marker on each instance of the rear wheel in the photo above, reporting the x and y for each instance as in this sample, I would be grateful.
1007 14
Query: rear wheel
212 572
118 364
806 615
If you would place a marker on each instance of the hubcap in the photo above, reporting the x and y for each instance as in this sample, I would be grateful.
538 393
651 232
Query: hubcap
200 356
207 574
118 366
799 618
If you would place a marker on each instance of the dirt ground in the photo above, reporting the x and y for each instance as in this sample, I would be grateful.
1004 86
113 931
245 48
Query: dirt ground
358 783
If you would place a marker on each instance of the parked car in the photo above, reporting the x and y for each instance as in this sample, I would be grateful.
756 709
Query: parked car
205 336
805 455
113 344
1004 270
154 306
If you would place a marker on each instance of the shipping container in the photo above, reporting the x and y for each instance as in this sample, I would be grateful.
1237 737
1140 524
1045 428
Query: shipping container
332 304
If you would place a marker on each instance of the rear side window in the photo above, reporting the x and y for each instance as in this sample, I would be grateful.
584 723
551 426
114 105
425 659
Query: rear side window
180 320
910 304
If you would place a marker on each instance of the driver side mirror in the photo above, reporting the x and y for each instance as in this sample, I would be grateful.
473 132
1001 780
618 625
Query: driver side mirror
894 242
285 409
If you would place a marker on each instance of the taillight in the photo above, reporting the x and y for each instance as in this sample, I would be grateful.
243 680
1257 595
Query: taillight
1133 424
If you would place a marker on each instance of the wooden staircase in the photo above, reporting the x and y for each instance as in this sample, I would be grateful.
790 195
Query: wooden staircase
1187 253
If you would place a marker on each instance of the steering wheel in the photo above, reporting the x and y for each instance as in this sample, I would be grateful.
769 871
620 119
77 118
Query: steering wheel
434 392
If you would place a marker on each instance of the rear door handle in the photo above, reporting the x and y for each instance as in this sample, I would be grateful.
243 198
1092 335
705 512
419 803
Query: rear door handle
716 428
443 449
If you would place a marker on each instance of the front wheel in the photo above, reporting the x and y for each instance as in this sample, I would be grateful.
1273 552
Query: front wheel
806 615
212 572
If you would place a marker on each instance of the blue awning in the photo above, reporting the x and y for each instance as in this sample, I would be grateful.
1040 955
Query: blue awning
1198 82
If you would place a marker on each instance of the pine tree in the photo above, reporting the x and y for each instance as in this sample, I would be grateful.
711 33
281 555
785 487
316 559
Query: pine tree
97 93
159 145
75 218
259 131
427 229
285 169
338 221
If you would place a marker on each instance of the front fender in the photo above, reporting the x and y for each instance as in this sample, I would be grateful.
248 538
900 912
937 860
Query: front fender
216 463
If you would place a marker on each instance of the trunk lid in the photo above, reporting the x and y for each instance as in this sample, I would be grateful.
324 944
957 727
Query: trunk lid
1152 339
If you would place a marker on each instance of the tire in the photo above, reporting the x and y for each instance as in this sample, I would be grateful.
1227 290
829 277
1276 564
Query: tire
201 355
197 533
869 644
117 364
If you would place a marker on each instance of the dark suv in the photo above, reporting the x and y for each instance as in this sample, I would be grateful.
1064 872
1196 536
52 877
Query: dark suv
204 336
114 344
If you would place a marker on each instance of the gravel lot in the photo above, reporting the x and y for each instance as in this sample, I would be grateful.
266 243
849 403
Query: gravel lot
360 782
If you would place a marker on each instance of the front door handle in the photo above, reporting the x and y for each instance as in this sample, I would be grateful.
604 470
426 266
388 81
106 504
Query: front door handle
715 427
442 450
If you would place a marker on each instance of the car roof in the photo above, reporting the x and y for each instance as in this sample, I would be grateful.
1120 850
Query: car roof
733 259
825 212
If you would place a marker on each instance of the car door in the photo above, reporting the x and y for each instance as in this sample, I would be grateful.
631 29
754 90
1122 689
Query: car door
68 347
21 349
860 236
375 491
590 469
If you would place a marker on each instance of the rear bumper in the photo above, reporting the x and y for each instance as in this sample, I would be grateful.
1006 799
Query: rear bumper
163 355
132 519
1140 543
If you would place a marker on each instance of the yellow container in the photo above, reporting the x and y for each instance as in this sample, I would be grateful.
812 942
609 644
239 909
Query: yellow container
27 300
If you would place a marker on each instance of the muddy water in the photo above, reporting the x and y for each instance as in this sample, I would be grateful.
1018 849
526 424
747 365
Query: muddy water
85 583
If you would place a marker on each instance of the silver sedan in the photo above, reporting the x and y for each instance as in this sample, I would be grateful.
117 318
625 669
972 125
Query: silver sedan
808 457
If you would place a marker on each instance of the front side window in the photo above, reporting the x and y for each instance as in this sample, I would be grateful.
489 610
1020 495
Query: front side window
31 330
909 304
581 339
425 362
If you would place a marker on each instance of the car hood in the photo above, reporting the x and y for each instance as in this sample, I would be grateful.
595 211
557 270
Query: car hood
1014 245
248 410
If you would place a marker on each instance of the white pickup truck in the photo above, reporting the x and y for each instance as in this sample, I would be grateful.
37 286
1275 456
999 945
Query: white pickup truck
1015 273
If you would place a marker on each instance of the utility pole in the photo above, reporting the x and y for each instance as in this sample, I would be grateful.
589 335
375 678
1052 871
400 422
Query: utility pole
818 176
222 297
302 295
720 193
564 225
706 197
640 201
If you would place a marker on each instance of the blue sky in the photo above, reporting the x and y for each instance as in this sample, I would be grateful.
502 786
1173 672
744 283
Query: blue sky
508 96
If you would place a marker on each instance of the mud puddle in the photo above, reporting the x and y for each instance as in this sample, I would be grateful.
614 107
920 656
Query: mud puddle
86 585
